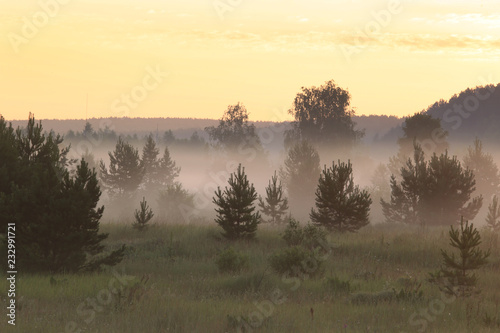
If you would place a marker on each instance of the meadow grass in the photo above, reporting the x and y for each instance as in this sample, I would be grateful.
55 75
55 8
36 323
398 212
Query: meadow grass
170 283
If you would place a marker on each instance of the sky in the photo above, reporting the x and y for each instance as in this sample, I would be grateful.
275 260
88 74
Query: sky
77 59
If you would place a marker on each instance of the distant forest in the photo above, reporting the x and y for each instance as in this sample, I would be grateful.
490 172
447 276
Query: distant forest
474 112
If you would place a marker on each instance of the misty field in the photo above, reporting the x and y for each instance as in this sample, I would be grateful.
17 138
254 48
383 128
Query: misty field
371 281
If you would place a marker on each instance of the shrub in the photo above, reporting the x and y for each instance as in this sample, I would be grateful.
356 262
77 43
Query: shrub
309 236
338 286
295 261
230 261
293 234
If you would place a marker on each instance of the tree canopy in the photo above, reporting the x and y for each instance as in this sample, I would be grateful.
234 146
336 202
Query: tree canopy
434 192
234 131
323 116
55 214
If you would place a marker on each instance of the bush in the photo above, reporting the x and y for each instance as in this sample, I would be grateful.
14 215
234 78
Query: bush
295 261
293 234
309 236
338 286
230 261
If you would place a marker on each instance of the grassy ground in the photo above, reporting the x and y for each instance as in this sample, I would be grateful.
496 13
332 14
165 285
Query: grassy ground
169 282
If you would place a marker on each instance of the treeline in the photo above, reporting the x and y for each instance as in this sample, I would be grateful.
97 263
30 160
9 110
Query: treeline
422 184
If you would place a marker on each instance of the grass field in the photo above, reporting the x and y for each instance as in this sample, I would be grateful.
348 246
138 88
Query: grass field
169 282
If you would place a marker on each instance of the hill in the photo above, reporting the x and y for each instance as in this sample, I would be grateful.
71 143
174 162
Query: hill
474 112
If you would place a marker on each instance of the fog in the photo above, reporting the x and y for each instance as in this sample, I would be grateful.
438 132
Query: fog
204 168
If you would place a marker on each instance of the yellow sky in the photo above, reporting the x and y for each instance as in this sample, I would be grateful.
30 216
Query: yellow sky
193 58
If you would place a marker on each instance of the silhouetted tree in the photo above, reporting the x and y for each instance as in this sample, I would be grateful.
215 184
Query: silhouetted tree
484 168
234 132
168 170
158 173
323 116
275 204
55 214
455 278
341 206
493 218
434 192
300 174
125 171
426 131
235 212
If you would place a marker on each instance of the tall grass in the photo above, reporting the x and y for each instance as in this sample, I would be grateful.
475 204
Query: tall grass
174 285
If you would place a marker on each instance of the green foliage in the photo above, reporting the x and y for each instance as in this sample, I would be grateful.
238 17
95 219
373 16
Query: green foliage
143 216
275 204
323 116
373 298
434 192
410 292
235 212
341 206
175 202
125 173
455 277
493 218
338 286
230 261
305 246
310 236
55 214
291 261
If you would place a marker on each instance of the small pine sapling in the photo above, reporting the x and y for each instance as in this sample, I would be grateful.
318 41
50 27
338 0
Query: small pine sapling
275 204
143 216
235 212
455 276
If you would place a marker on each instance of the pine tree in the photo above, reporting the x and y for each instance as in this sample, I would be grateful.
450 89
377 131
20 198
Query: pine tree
455 277
341 206
125 171
493 218
158 172
55 213
168 170
235 212
275 204
143 216
432 192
